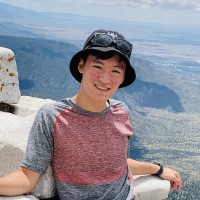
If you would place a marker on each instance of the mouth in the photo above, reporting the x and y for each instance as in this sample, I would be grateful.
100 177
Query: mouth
102 88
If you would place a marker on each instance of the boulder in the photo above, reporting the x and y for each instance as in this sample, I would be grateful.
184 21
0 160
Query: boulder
14 131
9 83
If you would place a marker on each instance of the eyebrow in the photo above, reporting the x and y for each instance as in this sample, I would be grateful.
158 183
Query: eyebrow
120 66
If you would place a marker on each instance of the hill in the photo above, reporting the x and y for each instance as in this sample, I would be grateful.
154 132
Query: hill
43 72
42 65
172 139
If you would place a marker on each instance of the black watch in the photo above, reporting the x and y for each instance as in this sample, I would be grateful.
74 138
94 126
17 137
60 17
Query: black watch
160 171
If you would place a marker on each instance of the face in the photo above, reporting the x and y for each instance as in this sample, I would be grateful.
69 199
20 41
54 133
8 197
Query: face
101 78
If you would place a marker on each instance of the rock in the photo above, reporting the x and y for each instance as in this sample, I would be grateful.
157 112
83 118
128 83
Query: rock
21 197
14 130
9 83
149 187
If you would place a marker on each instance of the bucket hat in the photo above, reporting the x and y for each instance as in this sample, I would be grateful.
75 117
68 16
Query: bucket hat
105 41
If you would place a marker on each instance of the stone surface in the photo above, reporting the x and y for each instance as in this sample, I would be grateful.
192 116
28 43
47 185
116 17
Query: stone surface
22 197
14 130
148 187
9 83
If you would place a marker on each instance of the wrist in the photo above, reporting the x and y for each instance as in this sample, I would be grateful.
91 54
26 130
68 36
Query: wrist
160 171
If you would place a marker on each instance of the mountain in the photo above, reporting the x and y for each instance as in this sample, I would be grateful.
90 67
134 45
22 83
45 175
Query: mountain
12 29
43 72
17 21
42 65
172 139
10 12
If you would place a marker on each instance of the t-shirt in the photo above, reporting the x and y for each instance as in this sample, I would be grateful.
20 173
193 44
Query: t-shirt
87 150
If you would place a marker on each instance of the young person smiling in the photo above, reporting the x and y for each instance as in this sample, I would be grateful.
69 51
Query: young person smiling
86 137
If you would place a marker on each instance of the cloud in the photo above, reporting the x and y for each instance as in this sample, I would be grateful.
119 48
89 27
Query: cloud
109 3
165 4
64 4
171 4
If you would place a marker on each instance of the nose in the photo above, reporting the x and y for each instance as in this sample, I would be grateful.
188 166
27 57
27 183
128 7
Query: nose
104 77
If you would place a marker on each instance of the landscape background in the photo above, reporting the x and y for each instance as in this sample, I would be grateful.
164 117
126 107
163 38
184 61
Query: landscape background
165 99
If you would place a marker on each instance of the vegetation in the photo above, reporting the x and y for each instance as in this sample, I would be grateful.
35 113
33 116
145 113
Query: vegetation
172 139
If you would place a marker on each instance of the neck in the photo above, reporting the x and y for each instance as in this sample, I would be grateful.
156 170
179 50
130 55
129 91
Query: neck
89 105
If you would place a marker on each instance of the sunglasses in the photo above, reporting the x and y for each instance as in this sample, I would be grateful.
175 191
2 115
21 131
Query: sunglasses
105 40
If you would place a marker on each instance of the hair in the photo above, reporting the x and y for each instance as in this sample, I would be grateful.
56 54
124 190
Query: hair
102 55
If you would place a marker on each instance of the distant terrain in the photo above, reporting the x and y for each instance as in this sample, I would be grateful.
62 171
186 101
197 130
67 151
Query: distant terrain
164 101
43 72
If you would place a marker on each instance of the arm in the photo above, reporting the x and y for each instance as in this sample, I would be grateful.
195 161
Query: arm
141 168
20 182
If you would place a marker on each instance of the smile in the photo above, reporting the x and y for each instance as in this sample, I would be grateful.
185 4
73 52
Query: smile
101 88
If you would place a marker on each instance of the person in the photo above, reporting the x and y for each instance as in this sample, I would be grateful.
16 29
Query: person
86 137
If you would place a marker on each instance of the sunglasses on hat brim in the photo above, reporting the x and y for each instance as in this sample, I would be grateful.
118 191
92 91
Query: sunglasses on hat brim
106 40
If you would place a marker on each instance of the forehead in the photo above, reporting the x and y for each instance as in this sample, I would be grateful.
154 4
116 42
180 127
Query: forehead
115 59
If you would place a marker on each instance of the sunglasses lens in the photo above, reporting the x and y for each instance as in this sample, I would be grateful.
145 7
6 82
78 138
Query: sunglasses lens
124 46
103 40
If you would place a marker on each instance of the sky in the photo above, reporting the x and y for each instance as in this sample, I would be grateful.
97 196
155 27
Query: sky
165 11
184 15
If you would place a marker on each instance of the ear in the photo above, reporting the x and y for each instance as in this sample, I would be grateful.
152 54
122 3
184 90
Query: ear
80 66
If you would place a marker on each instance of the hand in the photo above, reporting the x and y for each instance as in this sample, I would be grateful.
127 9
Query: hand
174 178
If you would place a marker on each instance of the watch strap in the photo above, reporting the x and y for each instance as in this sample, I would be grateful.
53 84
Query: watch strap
160 171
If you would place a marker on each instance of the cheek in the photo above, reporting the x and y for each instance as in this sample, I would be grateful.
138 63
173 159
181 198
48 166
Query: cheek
117 80
93 75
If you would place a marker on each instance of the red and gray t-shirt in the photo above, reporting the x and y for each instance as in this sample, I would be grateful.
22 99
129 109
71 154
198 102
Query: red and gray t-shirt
88 151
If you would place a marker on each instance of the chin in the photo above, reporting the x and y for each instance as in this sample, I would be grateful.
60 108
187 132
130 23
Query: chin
104 98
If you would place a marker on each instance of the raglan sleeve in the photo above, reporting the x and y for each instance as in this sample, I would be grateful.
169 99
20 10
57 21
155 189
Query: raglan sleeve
126 107
39 150
128 113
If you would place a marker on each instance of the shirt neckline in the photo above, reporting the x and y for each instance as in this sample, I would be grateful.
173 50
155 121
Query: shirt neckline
86 112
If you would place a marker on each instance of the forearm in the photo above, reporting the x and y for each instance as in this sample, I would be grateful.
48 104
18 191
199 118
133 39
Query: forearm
17 183
140 168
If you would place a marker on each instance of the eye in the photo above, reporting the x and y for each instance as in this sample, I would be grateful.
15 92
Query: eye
116 71
97 67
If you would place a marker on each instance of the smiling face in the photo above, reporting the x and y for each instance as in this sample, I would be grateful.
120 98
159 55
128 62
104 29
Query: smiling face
101 77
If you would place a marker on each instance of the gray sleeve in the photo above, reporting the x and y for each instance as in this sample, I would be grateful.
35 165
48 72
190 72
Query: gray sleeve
39 149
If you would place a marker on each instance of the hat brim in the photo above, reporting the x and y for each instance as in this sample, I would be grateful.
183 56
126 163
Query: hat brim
130 74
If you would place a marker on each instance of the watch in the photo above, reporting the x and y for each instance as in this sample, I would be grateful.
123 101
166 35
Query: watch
160 171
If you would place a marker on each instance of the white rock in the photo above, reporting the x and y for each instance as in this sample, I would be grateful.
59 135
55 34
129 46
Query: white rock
14 130
9 83
22 197
148 187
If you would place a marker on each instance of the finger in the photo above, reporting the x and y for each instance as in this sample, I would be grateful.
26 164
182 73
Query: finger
178 181
173 185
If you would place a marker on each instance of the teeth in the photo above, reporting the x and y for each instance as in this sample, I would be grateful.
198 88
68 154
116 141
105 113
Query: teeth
101 88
